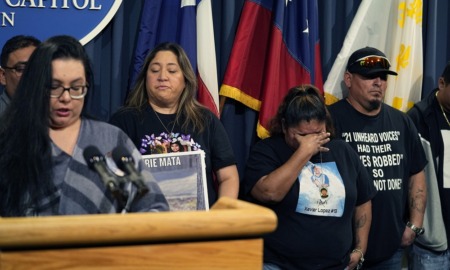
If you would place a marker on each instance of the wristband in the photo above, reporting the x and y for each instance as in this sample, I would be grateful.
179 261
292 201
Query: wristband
361 260
417 230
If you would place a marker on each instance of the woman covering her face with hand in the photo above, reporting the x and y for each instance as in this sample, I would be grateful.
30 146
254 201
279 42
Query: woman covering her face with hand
43 135
316 186
163 108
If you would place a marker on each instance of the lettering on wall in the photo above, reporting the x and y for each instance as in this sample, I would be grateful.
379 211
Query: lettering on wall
83 19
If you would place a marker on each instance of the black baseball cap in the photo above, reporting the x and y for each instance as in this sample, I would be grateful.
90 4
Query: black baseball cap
369 61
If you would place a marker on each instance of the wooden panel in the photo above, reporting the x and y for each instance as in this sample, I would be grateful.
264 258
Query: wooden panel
234 254
229 236
228 218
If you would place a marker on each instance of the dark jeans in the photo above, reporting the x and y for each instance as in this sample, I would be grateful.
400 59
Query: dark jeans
393 263
423 259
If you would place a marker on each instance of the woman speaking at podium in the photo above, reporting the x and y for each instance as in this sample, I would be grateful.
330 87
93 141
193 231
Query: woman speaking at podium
43 135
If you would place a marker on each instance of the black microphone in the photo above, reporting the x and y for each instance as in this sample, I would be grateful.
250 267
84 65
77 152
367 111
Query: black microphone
125 162
97 162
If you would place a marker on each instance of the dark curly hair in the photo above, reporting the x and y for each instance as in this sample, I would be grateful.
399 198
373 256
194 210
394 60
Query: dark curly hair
301 103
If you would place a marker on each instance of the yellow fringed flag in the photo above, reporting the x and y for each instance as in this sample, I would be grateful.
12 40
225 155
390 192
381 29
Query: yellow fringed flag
394 27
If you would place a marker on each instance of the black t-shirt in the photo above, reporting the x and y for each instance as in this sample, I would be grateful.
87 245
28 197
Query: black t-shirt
433 127
389 147
145 127
314 228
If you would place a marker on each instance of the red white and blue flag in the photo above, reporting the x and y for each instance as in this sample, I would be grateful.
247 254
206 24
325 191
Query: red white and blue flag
276 47
188 23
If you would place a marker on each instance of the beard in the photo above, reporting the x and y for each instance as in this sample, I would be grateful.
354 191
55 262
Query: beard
374 105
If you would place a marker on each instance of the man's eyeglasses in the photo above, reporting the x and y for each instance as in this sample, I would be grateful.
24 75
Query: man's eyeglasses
75 92
17 69
372 61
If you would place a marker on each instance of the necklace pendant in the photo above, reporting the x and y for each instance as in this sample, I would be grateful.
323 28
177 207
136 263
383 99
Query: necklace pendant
169 133
323 192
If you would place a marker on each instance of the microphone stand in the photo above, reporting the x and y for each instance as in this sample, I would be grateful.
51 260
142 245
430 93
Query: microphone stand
130 198
133 194
124 193
97 162
133 177
119 195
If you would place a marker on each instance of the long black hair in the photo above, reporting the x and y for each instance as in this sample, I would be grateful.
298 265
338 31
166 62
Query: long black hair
25 157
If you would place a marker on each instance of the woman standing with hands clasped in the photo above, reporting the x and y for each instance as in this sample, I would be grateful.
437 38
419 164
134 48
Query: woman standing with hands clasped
163 109
316 185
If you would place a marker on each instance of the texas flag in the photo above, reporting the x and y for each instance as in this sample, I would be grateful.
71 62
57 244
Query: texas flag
188 23
276 48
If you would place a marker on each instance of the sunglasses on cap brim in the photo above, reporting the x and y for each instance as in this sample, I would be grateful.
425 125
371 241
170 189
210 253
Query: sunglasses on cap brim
372 61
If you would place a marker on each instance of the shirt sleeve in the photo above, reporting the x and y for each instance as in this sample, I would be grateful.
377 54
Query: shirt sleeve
417 154
221 151
262 161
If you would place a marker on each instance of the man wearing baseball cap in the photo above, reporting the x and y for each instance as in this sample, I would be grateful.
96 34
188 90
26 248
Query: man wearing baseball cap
390 148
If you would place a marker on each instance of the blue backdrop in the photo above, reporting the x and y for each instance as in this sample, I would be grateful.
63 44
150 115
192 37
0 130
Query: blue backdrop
112 50
112 54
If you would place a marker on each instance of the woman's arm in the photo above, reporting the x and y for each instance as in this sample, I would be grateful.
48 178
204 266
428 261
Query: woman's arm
272 188
362 220
228 179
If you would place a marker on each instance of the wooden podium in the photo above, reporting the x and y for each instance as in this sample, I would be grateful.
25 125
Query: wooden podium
226 237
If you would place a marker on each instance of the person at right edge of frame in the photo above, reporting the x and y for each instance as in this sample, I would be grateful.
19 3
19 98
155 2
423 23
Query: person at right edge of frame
431 116
389 146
